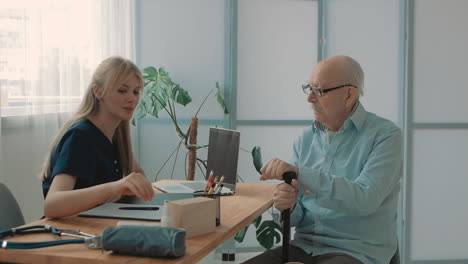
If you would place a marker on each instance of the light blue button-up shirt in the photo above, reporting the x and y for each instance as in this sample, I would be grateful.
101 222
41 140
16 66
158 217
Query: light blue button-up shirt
348 188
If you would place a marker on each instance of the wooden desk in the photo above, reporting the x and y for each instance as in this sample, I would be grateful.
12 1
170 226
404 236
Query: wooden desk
237 211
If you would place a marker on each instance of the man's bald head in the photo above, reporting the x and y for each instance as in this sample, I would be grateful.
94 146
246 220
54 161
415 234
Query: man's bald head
342 68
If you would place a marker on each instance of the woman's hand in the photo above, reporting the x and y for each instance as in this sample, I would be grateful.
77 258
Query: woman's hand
135 184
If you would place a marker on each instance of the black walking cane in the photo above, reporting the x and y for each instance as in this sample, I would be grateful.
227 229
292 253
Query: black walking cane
288 177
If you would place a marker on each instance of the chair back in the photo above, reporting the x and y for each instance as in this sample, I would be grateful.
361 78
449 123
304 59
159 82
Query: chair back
11 213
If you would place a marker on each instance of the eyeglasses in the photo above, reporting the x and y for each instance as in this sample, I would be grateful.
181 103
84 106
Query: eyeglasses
320 92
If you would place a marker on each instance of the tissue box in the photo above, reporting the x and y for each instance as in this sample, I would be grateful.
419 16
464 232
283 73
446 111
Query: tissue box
196 215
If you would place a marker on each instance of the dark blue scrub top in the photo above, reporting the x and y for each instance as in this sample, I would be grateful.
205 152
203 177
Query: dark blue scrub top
86 153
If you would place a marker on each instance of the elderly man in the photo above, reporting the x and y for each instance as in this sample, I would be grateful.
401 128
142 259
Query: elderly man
348 163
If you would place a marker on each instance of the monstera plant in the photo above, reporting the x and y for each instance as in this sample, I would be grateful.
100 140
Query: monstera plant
268 232
161 94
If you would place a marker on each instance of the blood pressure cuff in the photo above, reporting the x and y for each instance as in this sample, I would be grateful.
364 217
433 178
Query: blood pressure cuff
147 241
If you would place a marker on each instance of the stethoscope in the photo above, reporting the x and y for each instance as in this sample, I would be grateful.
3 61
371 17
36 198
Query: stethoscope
91 241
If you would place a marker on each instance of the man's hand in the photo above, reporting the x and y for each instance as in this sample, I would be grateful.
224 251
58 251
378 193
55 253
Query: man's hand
285 195
275 169
135 184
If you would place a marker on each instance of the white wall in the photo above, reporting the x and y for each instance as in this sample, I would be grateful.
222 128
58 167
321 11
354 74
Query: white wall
187 39
440 61
437 212
368 31
276 50
439 216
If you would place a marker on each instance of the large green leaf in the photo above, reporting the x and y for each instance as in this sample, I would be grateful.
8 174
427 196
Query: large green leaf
257 158
139 113
143 107
158 104
157 87
154 98
239 237
146 82
150 72
161 91
257 221
180 96
268 234
164 78
146 97
220 98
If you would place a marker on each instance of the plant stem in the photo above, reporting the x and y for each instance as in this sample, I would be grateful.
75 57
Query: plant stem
245 150
170 107
203 162
199 108
190 146
198 161
201 170
240 178
186 138
171 113
164 164
175 160
174 120
173 108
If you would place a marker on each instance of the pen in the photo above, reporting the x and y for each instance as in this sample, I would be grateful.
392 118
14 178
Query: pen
145 208
218 191
212 188
219 184
214 185
209 182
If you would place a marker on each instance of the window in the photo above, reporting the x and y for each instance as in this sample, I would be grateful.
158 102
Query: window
49 51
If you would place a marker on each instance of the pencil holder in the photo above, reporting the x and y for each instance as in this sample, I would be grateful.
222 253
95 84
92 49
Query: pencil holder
196 215
217 198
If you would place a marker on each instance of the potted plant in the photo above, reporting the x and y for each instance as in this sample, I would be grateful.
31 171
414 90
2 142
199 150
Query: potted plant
161 94
268 232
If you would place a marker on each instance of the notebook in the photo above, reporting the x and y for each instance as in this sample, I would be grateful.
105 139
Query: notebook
223 155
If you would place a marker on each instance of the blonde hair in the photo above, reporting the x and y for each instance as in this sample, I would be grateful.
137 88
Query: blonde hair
108 74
